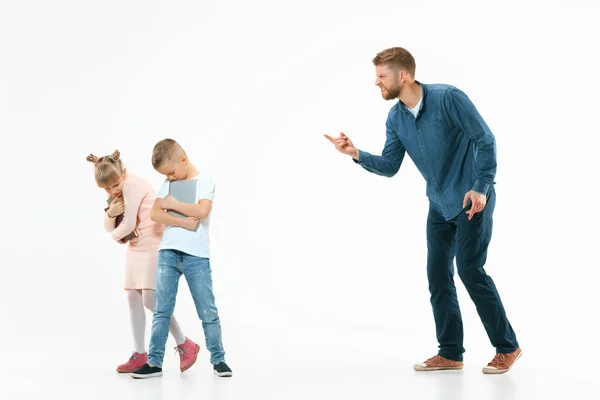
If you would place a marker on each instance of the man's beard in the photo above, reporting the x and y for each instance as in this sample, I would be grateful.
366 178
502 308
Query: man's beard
391 92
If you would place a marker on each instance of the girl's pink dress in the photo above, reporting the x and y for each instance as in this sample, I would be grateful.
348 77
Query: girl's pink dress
142 258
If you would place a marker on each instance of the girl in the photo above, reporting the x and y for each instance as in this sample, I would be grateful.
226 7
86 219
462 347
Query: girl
134 197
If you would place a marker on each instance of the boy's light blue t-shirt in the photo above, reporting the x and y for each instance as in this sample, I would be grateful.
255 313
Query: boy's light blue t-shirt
195 243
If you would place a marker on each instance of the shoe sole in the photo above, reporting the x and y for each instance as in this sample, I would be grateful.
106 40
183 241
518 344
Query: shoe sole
501 371
128 371
144 376
223 374
195 358
427 369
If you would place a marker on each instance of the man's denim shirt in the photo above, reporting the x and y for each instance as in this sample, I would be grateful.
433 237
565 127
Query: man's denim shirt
448 141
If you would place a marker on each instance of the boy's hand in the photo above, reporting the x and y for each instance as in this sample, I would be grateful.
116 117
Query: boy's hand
134 241
190 223
116 208
169 202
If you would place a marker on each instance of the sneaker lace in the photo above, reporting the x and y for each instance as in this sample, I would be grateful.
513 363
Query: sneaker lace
436 358
179 350
499 359
133 357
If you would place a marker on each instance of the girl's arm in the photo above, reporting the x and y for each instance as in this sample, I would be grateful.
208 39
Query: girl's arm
109 223
132 195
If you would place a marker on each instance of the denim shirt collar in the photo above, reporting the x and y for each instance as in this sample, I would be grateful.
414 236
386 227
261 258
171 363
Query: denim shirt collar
403 106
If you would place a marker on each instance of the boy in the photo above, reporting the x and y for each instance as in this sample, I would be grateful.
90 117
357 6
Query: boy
184 249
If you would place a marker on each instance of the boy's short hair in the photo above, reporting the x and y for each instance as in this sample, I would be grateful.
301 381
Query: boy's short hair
165 150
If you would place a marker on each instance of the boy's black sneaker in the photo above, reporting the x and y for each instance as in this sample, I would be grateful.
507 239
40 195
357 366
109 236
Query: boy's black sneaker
146 372
222 369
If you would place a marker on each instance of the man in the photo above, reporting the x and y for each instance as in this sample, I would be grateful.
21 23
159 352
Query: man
455 151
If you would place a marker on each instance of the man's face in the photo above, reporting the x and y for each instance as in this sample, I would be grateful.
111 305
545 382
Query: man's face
388 81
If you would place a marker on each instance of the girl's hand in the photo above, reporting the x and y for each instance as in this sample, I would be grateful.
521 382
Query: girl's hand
116 208
134 241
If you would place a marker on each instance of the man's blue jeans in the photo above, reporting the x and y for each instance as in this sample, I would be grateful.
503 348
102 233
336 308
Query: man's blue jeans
467 241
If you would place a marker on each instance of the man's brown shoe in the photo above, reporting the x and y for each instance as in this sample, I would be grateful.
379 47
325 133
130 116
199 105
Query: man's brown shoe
502 362
438 363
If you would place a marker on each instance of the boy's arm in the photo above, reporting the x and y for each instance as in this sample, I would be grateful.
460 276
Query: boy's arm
201 210
160 216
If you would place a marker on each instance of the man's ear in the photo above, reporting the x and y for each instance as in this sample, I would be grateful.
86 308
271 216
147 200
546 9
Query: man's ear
402 75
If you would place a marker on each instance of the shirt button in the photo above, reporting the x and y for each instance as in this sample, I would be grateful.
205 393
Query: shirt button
438 193
432 177
423 146
426 162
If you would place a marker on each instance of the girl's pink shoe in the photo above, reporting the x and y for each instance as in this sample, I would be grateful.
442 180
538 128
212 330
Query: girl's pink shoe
188 353
136 361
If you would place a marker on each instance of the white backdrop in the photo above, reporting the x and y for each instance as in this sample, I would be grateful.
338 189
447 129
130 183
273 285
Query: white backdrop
318 266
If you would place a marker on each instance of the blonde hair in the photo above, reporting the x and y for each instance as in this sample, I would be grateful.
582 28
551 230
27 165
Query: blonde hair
396 58
107 169
165 150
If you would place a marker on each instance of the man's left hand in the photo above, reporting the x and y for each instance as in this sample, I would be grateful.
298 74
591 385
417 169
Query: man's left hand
478 202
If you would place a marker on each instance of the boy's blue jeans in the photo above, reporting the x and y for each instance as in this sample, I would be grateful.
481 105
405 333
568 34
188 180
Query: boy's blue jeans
171 265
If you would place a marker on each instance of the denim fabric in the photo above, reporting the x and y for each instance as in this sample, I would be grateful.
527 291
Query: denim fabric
455 151
171 265
467 241
448 141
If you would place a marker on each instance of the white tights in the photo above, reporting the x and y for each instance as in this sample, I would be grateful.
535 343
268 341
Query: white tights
138 299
